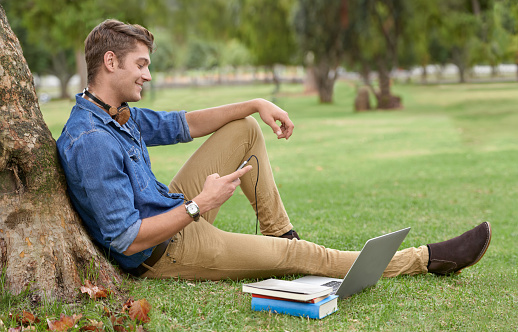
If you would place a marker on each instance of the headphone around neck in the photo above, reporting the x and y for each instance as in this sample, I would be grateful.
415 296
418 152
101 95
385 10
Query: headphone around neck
120 114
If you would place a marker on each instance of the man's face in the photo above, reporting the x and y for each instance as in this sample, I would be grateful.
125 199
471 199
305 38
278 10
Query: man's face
132 73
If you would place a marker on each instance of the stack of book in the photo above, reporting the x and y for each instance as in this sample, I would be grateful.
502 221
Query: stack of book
292 298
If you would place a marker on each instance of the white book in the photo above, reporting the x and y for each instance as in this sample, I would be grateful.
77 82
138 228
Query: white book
287 289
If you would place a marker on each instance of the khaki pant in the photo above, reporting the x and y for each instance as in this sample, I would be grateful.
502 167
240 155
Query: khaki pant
202 251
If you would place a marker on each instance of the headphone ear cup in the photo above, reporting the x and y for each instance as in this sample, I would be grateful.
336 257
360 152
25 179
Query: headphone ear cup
122 114
113 111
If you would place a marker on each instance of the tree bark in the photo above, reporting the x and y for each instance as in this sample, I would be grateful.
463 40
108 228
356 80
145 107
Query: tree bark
384 97
310 84
43 245
325 77
81 68
60 70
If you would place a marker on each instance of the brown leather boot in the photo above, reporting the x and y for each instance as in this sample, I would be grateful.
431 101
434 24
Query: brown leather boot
460 252
290 235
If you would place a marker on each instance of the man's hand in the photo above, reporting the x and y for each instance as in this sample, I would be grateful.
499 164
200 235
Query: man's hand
271 113
218 189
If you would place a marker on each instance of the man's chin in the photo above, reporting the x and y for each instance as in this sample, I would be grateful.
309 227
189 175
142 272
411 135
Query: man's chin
135 98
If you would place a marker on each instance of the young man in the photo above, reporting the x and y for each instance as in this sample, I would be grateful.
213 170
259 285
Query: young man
161 232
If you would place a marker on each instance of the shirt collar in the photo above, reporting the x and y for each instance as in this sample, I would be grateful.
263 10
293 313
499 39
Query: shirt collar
93 108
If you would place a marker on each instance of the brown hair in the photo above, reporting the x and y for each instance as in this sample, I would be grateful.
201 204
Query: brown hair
115 36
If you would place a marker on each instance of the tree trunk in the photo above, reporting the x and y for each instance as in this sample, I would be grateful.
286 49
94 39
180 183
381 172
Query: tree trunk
384 97
81 68
325 77
310 84
424 74
59 68
43 246
458 60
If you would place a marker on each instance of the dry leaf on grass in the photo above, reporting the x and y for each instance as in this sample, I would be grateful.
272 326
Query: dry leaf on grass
64 323
93 326
94 291
25 318
138 309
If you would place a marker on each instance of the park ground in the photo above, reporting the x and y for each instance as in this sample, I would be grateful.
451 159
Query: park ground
441 165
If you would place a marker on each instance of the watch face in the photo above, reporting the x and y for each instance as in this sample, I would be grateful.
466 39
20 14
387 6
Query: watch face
192 208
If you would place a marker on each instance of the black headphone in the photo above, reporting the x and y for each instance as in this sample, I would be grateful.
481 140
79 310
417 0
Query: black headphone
120 114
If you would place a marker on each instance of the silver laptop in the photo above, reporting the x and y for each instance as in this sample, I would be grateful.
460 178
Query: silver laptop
367 268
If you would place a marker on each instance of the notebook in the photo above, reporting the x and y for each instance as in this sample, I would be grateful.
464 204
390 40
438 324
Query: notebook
367 268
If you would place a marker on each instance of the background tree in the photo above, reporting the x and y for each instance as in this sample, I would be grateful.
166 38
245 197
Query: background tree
380 27
61 26
265 29
463 29
506 33
320 27
43 246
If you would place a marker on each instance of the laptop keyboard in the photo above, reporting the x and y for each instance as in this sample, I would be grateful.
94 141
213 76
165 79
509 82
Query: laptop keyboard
335 284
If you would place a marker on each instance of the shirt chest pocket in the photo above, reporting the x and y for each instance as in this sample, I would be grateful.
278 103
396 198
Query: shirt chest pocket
138 169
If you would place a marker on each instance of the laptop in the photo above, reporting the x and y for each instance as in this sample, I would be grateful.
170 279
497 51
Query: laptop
366 269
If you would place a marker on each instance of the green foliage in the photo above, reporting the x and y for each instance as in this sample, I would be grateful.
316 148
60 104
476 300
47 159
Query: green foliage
266 30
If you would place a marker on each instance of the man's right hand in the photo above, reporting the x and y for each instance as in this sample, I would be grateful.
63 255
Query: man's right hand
218 189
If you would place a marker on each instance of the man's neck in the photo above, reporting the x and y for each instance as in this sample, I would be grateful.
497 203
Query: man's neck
103 95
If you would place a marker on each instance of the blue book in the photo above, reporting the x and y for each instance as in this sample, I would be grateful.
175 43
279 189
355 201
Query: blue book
303 309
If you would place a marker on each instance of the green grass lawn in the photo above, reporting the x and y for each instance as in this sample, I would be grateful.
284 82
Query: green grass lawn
441 165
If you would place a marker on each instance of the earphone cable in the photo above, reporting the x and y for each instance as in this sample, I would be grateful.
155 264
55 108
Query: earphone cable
255 194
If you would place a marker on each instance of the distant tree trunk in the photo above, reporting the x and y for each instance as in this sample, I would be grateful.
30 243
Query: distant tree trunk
458 60
325 77
81 68
60 70
43 246
365 73
384 97
424 74
275 79
310 84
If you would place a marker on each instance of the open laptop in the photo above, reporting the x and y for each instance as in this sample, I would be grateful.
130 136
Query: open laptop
367 268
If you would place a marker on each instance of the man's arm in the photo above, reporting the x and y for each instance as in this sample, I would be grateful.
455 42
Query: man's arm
207 121
154 230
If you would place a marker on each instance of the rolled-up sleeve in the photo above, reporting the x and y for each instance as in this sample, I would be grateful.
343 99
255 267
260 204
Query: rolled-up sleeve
162 128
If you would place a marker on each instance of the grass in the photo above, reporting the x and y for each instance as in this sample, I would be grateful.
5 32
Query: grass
443 164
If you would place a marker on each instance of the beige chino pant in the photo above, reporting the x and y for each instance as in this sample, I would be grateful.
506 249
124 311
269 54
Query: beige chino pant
203 252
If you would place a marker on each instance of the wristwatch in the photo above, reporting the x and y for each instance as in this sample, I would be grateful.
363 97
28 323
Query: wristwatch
193 210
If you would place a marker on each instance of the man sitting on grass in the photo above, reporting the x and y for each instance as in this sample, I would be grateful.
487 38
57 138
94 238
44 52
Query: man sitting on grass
156 231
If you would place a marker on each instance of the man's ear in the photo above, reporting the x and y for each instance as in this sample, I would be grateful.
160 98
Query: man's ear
110 61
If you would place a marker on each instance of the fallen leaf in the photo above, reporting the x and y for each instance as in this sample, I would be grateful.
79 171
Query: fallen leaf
64 323
26 318
94 291
139 310
139 328
93 326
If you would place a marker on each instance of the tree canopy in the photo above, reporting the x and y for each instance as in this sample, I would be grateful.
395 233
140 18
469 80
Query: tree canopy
364 36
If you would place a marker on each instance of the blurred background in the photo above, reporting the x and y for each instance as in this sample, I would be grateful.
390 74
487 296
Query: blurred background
312 42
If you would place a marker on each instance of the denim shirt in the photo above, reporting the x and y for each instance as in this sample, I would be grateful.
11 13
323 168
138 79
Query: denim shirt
108 172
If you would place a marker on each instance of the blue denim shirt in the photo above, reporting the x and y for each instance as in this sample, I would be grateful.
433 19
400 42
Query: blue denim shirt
109 175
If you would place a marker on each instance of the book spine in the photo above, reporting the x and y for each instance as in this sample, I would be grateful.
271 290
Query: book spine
301 309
